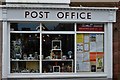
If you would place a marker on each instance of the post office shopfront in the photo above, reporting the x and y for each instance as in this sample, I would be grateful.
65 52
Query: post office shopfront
52 42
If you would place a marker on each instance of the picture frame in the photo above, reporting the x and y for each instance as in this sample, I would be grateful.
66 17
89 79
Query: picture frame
56 44
56 68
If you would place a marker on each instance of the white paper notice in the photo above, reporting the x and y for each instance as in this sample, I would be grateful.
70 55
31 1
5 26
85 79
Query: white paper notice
86 47
79 61
99 38
86 38
79 66
86 66
79 57
99 42
92 46
86 56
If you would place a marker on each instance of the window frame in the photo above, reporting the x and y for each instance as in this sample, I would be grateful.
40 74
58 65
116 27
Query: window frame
89 74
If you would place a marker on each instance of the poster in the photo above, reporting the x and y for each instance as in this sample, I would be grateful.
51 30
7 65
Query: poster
99 43
92 37
79 47
86 66
86 38
79 61
79 67
99 62
86 56
79 57
92 46
93 56
86 47
79 38
83 66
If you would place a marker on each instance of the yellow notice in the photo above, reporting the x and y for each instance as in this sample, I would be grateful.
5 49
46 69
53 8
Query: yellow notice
79 38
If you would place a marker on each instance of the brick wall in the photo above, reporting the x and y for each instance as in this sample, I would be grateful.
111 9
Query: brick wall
116 48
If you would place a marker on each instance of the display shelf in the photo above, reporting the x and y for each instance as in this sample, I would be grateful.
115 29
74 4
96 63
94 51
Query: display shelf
56 49
23 60
57 60
24 31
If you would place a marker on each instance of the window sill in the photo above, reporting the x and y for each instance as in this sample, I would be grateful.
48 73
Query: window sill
58 75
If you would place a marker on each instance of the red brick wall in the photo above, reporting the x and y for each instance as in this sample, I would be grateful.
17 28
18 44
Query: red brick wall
116 48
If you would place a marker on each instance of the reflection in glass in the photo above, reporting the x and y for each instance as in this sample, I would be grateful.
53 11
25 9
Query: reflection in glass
57 26
24 66
24 47
24 27
66 41
55 49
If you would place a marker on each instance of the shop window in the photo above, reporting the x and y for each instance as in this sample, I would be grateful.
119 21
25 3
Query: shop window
57 53
60 46
90 27
24 52
57 26
25 26
90 49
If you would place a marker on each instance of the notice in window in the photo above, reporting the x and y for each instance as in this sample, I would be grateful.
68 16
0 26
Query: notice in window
86 38
86 66
86 47
99 42
92 46
79 47
79 38
99 62
79 61
86 56
92 56
92 37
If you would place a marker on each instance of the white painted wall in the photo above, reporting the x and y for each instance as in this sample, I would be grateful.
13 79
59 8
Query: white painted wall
40 1
60 1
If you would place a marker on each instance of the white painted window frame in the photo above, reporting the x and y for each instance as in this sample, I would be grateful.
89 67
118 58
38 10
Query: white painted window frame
108 57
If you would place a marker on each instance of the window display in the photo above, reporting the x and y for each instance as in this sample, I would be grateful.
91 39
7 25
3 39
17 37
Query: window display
24 26
57 26
57 54
60 46
24 53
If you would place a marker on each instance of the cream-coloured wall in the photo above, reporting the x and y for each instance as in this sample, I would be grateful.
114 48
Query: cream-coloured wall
39 1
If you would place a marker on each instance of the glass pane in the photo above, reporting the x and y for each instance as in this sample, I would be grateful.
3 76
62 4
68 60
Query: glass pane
24 26
57 53
24 51
90 53
57 26
24 66
90 27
